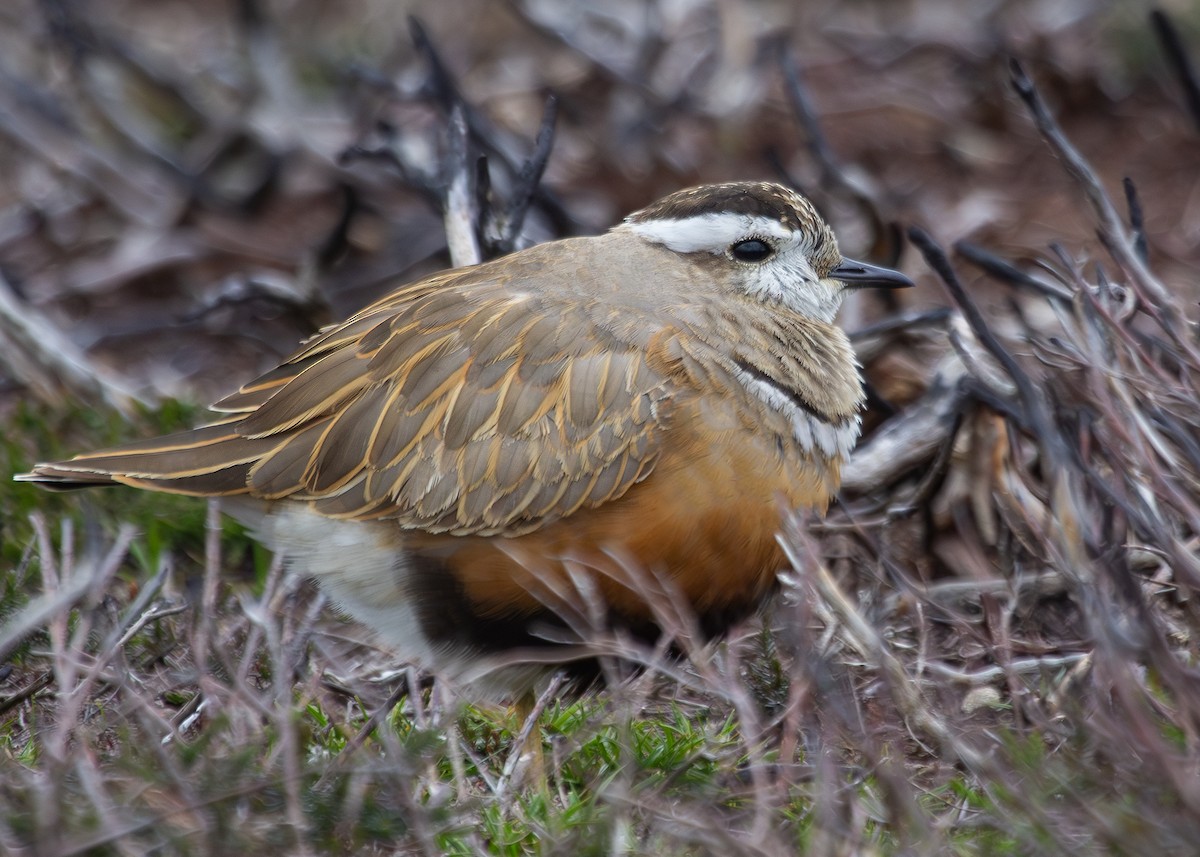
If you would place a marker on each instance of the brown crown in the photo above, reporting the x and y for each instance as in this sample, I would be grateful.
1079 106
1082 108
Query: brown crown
761 199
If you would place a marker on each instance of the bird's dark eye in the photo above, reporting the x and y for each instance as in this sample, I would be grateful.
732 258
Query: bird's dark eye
751 250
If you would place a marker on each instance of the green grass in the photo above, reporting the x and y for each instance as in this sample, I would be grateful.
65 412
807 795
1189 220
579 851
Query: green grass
677 777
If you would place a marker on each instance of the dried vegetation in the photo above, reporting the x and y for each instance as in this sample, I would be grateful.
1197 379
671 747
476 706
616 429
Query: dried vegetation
988 646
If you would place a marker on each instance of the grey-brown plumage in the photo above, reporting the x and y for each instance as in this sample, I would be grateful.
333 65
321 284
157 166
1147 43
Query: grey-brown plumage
650 392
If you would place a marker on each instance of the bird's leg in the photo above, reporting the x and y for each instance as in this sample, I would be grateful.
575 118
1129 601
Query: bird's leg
528 742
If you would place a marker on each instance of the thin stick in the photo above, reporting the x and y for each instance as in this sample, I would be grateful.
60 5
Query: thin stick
1180 61
1112 231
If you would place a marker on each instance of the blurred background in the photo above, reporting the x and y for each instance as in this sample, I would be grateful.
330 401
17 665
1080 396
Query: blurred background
188 188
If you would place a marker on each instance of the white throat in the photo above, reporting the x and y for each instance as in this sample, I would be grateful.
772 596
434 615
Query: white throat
813 434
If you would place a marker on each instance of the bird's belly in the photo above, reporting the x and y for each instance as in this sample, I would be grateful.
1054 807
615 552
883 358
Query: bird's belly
699 532
702 528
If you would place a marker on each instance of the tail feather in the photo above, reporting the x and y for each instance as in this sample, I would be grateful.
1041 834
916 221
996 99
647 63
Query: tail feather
213 460
53 477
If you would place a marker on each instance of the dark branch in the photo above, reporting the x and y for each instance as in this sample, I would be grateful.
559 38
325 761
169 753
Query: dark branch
1180 61
1136 221
1007 272
1031 402
528 181
1112 230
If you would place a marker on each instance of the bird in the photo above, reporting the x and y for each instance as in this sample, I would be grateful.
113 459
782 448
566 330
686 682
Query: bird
458 461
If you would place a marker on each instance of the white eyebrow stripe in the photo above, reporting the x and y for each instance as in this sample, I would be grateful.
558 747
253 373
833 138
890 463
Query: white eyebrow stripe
713 232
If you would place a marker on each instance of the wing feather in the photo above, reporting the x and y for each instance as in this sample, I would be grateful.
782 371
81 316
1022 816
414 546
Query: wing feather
455 406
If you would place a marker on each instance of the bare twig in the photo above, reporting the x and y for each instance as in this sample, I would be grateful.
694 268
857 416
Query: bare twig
38 355
1136 222
1007 272
65 586
886 238
1112 231
634 78
1031 400
141 195
1179 59
909 440
461 218
504 233
809 118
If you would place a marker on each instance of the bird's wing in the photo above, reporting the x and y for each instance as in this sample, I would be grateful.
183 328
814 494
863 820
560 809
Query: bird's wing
450 407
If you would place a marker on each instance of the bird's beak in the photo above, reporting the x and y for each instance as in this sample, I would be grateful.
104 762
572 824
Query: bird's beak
861 275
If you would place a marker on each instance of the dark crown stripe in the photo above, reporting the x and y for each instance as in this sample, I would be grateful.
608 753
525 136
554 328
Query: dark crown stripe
751 198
